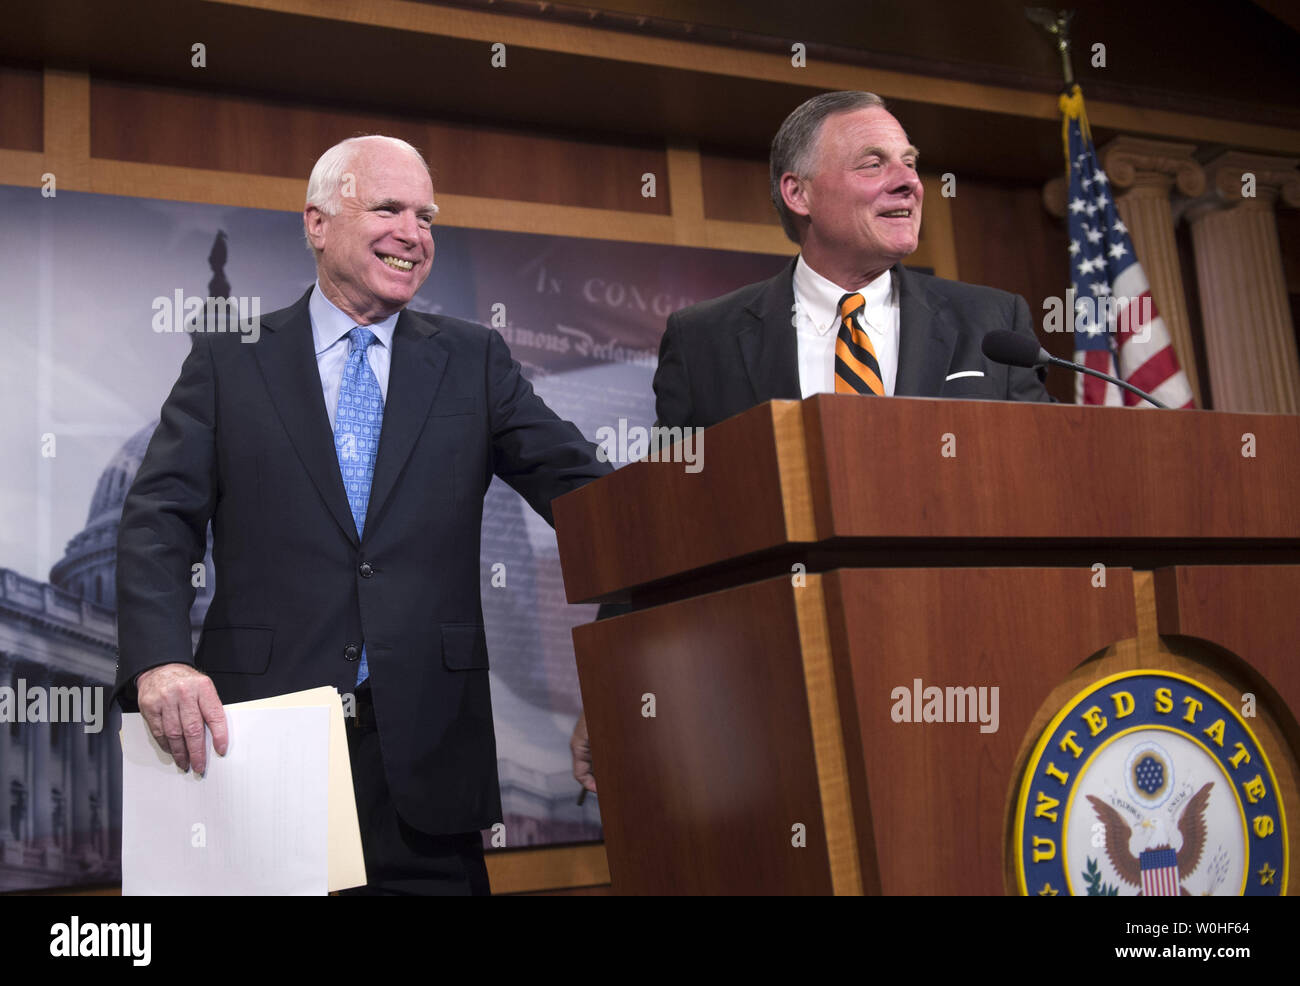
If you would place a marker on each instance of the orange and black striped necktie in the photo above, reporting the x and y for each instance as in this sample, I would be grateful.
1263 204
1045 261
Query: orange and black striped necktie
857 370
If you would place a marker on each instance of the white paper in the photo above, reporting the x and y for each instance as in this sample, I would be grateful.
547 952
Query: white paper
347 861
256 823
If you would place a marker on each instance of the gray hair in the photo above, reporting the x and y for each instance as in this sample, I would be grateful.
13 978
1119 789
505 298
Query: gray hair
325 186
794 143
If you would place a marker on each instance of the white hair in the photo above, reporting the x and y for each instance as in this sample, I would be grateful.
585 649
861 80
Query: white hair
325 186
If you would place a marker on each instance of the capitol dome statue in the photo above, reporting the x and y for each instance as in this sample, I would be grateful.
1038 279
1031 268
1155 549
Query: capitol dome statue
89 565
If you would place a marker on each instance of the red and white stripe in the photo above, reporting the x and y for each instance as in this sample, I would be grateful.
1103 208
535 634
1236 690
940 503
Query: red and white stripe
1160 882
1148 363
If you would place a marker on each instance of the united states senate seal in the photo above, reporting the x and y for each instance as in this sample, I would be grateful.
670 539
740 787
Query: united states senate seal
1148 783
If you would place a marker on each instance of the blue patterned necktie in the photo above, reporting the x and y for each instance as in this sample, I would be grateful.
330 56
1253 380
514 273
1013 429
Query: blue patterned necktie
357 424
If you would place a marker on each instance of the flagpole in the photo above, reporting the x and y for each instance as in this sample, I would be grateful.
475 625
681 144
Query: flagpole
1101 266
1058 26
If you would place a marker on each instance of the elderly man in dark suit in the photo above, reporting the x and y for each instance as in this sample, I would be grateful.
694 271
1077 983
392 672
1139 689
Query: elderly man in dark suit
342 460
845 316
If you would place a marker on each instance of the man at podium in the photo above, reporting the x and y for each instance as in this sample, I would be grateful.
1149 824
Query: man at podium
845 316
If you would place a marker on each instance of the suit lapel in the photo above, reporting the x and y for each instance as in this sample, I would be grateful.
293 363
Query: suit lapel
768 342
926 338
287 357
415 373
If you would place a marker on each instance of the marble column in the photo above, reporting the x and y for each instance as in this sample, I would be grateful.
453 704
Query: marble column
7 847
81 836
1249 337
39 800
63 777
6 681
1147 171
113 754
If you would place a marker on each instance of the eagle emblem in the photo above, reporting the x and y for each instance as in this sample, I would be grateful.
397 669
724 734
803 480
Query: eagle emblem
1159 869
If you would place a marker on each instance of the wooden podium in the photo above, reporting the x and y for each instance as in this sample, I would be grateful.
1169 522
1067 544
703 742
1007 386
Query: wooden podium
745 716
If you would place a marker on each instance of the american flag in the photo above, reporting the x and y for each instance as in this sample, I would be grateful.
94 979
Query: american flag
1110 308
1159 873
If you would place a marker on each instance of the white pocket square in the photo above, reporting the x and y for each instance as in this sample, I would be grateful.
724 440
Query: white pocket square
963 373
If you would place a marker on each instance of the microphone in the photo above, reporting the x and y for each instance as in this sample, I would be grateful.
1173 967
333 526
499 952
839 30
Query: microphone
1013 349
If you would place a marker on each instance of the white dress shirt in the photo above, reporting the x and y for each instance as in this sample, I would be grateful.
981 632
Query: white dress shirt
329 329
817 321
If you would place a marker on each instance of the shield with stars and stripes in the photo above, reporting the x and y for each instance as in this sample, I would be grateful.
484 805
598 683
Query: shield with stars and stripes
1159 873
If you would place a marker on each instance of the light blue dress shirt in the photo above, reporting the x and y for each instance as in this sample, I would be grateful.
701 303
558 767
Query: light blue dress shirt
329 329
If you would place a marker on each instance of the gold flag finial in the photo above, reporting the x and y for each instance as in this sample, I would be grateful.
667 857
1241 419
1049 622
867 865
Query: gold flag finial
1057 24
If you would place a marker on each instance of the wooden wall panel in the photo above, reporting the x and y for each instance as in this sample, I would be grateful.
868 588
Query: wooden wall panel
224 132
581 868
736 188
1006 239
21 109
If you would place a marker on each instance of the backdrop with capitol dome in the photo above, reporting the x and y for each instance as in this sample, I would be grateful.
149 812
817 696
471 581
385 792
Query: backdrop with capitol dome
583 317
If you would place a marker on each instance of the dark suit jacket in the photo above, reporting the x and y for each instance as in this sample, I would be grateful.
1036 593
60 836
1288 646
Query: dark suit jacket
244 440
724 356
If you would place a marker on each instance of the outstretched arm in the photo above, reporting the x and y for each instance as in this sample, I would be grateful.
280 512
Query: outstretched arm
538 453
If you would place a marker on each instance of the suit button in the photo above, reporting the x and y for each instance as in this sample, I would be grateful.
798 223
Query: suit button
366 570
351 652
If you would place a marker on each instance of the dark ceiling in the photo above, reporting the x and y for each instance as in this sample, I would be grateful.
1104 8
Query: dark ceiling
1228 59
1218 57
